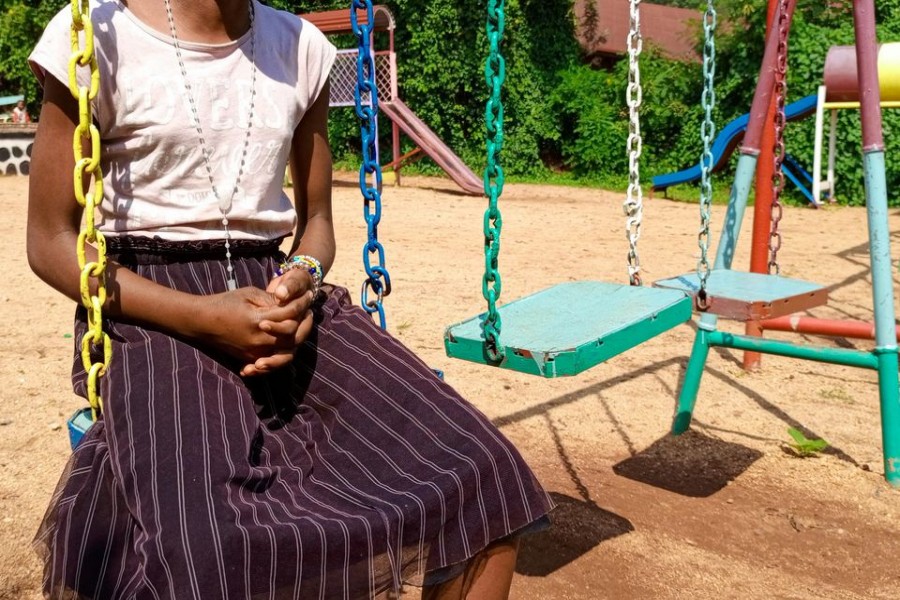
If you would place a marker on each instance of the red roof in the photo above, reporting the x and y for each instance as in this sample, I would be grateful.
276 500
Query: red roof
338 21
672 30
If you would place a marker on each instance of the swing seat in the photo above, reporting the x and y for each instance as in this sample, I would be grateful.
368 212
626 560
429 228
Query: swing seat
743 296
78 425
571 327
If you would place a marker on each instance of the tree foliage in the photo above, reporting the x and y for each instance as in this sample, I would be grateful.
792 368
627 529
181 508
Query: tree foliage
21 25
560 114
815 29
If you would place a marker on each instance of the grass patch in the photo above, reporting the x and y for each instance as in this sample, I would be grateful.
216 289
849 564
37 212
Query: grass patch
837 393
803 446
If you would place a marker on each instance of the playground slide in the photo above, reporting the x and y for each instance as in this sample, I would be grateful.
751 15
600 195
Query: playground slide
727 140
433 146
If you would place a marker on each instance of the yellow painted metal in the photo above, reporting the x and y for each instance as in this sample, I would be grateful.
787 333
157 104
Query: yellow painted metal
87 173
842 105
889 71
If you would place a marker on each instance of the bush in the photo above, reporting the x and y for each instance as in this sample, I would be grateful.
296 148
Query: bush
559 113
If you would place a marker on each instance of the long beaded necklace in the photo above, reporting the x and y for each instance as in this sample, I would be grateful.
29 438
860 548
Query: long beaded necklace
224 203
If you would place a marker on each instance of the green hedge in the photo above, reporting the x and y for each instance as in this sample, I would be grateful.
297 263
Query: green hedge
561 115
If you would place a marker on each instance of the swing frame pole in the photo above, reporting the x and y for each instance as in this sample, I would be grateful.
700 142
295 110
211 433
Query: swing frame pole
762 205
879 235
737 203
884 357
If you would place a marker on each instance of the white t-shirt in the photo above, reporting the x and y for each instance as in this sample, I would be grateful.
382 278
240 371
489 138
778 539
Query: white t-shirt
154 175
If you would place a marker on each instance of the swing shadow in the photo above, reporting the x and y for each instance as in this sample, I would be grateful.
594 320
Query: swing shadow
579 525
691 464
697 465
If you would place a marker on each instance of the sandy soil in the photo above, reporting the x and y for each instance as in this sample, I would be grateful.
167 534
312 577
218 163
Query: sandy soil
724 512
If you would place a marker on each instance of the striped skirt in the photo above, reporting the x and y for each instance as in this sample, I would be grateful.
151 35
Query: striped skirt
348 472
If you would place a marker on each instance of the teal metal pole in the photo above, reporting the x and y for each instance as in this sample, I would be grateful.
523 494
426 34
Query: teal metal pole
890 413
691 385
837 356
734 217
879 236
880 249
885 324
737 205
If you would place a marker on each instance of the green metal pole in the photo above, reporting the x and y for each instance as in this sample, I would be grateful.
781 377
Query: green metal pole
883 298
734 217
737 204
879 235
890 413
835 356
691 385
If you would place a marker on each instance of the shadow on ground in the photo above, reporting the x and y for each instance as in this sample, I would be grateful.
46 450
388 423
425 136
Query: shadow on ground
578 527
690 464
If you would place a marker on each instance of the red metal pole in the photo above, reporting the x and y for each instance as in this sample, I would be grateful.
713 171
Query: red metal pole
829 327
762 206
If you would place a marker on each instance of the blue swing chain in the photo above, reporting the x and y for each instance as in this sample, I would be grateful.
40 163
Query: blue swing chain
378 280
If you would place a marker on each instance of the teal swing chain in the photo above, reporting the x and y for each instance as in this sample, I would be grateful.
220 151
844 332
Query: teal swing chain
495 73
634 201
378 280
707 133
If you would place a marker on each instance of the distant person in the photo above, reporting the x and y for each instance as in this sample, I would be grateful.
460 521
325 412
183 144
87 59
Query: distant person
20 113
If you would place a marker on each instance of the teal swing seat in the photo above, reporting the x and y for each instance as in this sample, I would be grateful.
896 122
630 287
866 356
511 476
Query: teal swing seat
570 327
742 296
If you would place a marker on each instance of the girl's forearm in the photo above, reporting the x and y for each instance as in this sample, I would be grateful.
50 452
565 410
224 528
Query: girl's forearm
130 297
317 240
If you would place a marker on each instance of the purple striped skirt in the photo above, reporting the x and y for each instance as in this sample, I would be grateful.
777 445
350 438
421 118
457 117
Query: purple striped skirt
345 474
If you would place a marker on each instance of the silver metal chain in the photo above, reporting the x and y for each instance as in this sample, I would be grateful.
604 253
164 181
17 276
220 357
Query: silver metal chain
634 200
224 203
707 133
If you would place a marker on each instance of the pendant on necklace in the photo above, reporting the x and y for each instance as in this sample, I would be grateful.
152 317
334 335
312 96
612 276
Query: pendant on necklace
232 284
227 202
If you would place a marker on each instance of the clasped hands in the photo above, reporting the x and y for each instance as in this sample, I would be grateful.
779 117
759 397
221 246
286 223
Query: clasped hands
263 328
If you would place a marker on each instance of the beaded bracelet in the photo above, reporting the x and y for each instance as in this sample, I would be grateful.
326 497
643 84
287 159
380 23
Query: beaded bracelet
308 264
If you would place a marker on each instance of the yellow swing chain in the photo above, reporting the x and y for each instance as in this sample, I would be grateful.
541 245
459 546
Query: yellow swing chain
95 271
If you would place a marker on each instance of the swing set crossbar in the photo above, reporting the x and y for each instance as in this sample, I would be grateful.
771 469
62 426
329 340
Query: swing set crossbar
571 327
837 356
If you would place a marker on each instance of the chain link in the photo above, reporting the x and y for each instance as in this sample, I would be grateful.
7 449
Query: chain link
378 280
495 73
634 200
780 121
707 133
87 167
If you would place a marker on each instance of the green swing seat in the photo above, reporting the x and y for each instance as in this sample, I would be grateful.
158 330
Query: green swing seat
743 296
570 327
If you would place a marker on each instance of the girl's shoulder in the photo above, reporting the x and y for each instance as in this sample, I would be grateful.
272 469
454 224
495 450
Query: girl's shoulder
281 22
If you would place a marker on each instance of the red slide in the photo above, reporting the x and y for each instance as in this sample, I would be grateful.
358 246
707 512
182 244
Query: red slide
433 146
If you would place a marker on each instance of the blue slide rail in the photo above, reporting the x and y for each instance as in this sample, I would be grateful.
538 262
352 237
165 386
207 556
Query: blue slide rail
728 139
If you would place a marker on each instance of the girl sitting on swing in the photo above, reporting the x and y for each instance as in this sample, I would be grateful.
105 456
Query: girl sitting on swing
261 437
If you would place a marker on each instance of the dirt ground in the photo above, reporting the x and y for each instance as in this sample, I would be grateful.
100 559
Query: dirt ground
726 511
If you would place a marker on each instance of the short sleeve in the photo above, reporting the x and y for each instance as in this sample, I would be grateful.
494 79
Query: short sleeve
51 54
318 55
